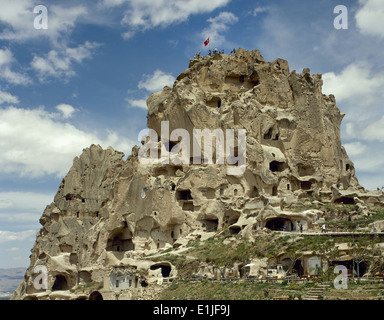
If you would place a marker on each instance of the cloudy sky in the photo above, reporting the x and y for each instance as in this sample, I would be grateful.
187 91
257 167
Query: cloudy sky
84 80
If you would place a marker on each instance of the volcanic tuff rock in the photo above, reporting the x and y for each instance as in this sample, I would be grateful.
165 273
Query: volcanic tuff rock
109 214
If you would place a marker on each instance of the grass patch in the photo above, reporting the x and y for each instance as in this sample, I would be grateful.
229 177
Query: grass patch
206 290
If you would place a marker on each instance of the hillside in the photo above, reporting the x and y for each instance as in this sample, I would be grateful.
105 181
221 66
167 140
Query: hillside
241 168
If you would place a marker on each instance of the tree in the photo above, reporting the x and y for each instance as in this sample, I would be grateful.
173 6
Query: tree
362 249
328 252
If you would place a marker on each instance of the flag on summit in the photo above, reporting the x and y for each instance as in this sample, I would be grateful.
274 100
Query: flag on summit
206 42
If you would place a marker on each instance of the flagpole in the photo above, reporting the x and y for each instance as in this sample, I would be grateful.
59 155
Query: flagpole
209 45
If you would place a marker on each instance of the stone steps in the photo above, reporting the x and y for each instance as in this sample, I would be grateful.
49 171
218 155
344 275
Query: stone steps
316 293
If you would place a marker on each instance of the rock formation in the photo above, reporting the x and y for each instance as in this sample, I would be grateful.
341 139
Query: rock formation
109 215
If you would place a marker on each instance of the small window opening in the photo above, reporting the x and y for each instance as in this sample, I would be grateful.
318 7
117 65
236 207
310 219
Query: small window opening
184 195
170 144
242 78
276 166
306 185
274 191
268 134
143 192
219 103
254 79
254 193
234 230
235 192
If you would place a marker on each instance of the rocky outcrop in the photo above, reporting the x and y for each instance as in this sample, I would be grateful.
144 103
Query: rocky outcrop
110 214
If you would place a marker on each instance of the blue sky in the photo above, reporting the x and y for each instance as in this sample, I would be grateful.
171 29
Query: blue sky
85 79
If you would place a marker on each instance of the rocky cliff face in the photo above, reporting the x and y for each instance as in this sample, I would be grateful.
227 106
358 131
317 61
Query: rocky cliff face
110 214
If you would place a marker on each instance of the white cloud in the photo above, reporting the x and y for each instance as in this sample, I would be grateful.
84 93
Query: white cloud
14 15
148 14
217 26
6 97
14 77
12 249
374 131
25 219
6 203
62 20
6 61
354 80
7 236
23 210
370 18
66 110
36 143
140 103
355 148
17 22
59 64
113 3
258 10
151 83
156 81
25 201
6 57
128 35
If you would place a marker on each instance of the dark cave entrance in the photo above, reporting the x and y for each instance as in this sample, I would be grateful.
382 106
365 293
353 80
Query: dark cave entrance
279 224
165 269
96 295
210 224
60 283
184 195
298 268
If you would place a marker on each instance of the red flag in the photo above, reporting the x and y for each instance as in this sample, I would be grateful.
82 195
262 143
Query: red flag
206 42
